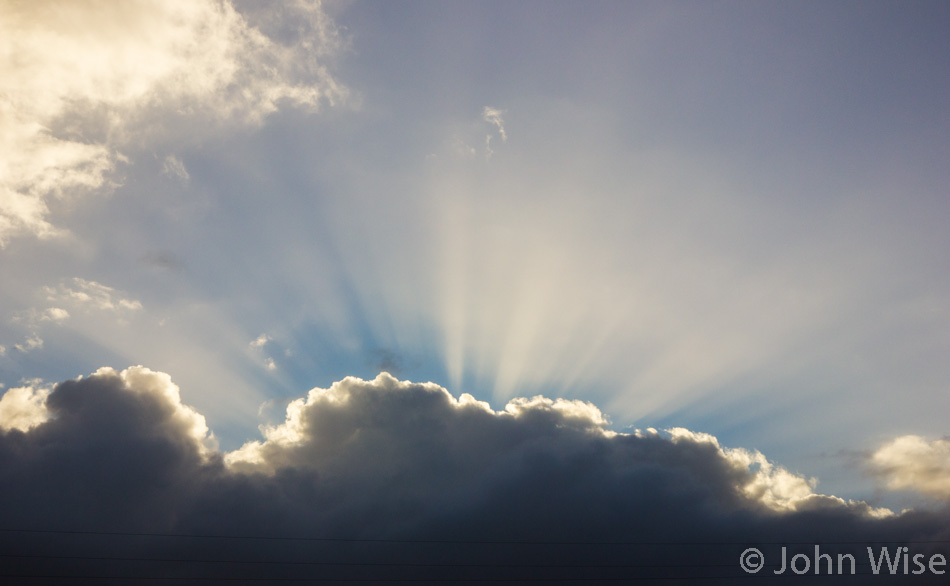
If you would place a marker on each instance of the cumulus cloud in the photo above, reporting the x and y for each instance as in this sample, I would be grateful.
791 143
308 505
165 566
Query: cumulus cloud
915 463
443 487
300 441
79 80
22 408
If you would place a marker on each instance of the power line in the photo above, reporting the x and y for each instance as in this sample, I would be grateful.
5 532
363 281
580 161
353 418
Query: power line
425 580
350 564
460 541
371 564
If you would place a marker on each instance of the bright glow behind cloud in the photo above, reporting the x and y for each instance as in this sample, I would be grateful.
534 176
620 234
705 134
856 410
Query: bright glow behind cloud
78 80
336 424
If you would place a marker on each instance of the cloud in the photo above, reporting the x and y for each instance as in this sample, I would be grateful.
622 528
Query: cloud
493 116
300 441
34 342
173 167
447 483
55 314
163 260
385 360
81 80
258 345
915 463
89 295
34 317
23 408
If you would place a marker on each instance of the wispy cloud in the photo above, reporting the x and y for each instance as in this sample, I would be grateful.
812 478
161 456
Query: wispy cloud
175 168
89 295
34 317
493 117
81 80
34 342
259 345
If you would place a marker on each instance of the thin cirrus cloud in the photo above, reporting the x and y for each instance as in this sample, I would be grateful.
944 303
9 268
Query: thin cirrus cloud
87 295
80 81
402 464
174 167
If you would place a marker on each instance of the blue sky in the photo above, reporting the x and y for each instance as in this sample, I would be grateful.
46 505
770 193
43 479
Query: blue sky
728 217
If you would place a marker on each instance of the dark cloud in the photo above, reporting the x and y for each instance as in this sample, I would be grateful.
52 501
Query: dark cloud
386 480
163 260
385 360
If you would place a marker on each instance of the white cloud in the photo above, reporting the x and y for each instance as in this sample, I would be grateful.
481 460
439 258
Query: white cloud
55 314
175 168
159 385
257 345
78 80
35 166
33 342
89 295
773 486
915 463
23 408
581 411
34 317
493 116
26 407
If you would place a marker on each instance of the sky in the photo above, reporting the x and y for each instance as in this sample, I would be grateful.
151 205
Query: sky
703 243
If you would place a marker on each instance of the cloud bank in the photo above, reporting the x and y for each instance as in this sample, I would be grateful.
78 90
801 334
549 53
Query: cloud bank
388 479
81 80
